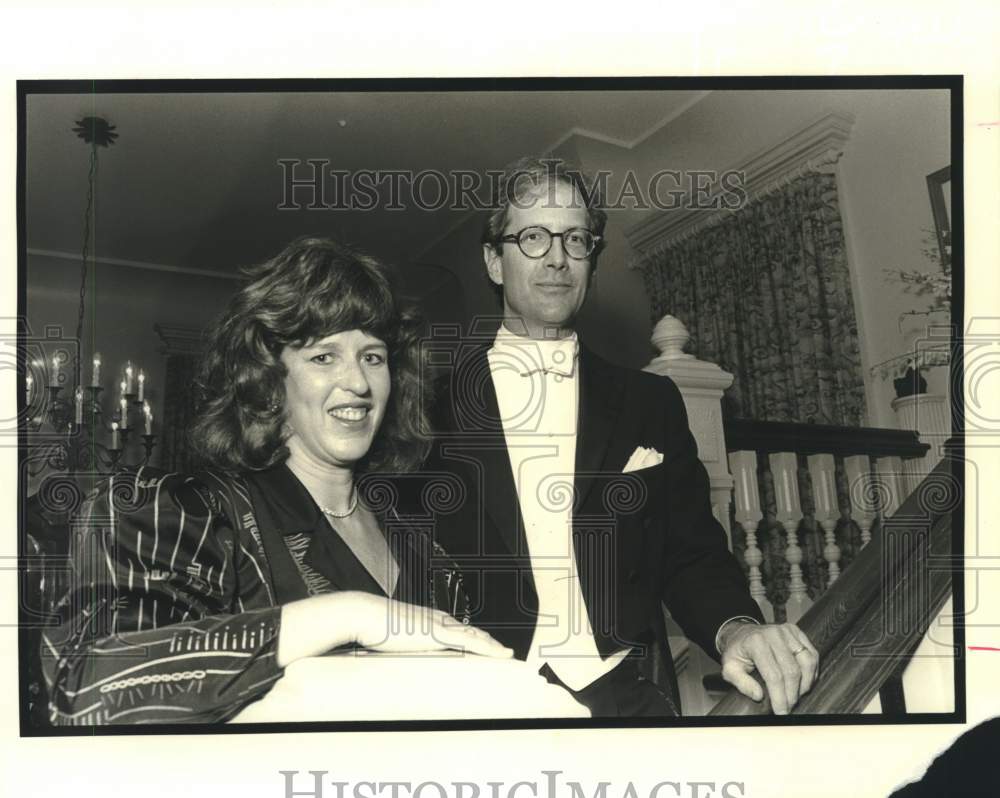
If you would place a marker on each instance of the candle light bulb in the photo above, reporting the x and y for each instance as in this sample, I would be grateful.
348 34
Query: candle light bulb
95 379
148 413
55 371
114 435
142 384
79 405
129 377
124 412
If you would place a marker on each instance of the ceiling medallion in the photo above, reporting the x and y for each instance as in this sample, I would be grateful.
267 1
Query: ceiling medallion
96 130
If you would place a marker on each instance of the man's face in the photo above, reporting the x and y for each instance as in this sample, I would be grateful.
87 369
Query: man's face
544 293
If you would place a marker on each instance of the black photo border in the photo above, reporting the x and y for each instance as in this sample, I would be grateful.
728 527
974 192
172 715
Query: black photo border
955 447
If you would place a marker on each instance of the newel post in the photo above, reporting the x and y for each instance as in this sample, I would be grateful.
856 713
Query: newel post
701 385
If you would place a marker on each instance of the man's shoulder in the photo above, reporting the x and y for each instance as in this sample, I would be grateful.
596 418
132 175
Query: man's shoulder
638 381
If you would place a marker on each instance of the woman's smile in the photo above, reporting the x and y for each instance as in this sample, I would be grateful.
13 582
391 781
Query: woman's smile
351 415
336 393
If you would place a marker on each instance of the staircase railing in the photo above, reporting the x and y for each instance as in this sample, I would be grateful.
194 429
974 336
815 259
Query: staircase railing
870 621
825 483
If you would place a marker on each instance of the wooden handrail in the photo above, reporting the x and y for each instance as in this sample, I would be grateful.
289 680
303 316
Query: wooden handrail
780 436
880 607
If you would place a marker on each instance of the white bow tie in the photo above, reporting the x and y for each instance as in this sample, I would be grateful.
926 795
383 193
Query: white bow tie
550 357
531 356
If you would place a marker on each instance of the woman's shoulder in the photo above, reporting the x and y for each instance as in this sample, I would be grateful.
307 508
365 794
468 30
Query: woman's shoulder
197 494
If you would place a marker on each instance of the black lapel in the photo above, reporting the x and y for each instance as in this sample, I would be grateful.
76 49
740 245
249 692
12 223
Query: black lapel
477 413
600 405
287 581
601 408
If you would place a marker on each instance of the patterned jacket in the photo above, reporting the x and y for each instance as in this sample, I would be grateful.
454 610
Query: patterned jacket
172 615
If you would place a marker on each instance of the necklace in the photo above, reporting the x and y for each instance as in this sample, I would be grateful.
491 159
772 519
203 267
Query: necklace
351 509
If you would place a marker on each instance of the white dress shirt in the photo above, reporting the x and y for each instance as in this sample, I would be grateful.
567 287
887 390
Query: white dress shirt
537 394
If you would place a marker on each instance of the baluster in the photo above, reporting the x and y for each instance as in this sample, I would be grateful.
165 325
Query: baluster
743 466
890 482
858 470
784 468
822 470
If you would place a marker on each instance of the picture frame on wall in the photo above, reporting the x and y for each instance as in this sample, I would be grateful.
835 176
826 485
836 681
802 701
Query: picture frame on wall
939 187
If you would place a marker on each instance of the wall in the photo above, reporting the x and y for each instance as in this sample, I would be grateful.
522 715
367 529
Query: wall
898 139
122 305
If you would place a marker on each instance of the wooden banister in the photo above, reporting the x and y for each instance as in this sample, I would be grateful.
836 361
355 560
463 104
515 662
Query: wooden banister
780 436
878 610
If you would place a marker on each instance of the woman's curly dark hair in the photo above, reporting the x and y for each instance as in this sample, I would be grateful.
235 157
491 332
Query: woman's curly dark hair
313 288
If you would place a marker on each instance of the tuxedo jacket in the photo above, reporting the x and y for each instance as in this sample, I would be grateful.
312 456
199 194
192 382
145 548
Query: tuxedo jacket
640 538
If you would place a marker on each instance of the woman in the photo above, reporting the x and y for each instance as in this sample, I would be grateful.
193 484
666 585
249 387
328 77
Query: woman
194 592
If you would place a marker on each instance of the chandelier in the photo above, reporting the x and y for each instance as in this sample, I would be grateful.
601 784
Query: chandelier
73 430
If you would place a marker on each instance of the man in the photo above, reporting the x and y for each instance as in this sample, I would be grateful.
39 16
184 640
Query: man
583 504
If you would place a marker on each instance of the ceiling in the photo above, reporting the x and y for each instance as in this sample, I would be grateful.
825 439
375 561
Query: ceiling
194 180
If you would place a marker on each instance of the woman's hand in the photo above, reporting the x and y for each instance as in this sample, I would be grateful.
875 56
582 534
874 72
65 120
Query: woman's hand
393 626
313 626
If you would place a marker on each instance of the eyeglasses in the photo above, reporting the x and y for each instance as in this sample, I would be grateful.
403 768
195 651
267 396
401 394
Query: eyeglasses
535 242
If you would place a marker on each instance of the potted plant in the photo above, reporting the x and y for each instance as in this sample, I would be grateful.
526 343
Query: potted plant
907 368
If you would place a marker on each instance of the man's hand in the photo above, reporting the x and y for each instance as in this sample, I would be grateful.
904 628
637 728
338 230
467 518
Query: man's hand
782 654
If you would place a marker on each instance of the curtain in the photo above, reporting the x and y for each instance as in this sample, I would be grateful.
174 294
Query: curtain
766 294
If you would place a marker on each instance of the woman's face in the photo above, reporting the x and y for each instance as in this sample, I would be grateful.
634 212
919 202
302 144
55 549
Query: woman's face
336 394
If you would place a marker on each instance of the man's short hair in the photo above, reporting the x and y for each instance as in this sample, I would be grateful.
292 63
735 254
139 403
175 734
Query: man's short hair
522 178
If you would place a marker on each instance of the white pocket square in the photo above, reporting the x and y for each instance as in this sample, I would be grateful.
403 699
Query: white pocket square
642 458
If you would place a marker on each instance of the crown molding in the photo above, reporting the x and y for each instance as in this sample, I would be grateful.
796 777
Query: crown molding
581 133
817 147
132 264
661 123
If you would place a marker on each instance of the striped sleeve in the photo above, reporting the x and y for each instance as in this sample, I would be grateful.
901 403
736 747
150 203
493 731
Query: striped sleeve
168 618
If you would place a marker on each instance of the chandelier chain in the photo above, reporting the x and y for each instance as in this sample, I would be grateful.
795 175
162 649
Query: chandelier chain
85 254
